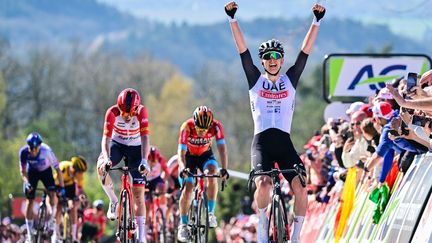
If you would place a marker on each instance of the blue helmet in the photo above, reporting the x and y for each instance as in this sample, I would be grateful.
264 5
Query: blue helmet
98 204
34 139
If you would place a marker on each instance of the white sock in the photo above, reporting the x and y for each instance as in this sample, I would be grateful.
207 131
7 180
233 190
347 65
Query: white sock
298 223
262 213
110 192
74 229
141 229
29 225
56 228
54 212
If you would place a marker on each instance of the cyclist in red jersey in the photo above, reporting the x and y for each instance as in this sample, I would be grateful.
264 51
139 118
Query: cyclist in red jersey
126 135
195 152
158 175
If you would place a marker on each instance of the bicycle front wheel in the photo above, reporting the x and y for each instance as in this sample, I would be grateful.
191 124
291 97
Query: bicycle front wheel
40 225
279 229
123 224
67 228
160 221
203 219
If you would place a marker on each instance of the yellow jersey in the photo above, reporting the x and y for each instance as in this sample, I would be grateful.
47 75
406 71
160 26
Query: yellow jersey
68 177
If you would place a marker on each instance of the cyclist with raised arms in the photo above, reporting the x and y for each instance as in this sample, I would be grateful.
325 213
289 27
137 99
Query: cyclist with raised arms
272 98
126 135
72 173
36 159
194 151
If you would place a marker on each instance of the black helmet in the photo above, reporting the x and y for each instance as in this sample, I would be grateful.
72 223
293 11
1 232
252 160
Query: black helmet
203 117
270 45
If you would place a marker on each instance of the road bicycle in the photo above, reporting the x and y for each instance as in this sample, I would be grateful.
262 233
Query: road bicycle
157 225
198 217
41 233
126 226
173 217
66 223
278 224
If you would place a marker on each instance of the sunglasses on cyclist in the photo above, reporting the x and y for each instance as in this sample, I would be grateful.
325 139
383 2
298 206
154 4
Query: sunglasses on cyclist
201 130
127 114
272 54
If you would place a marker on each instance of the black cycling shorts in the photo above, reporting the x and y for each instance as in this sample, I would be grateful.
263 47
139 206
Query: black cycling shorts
201 162
45 176
274 146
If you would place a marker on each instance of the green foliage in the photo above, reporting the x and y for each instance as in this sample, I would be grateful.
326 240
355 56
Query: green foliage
168 110
64 97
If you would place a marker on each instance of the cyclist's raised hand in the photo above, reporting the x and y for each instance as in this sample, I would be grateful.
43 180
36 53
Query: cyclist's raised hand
224 174
144 168
318 11
231 8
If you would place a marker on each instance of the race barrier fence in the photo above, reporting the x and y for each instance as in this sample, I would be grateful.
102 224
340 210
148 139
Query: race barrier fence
406 218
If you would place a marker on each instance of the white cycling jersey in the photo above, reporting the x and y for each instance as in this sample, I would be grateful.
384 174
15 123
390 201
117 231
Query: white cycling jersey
272 104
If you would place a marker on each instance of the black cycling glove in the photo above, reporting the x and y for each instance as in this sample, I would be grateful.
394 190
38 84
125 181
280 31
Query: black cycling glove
223 173
319 15
231 12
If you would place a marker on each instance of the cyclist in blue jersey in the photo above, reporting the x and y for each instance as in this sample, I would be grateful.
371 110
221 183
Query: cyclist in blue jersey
36 159
272 99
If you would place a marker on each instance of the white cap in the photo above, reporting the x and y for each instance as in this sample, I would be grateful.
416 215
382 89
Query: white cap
384 94
354 107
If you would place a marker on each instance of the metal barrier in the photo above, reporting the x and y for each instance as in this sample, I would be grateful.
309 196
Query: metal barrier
407 216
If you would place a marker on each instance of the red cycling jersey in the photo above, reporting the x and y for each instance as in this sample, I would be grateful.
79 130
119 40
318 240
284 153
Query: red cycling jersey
190 141
127 133
158 163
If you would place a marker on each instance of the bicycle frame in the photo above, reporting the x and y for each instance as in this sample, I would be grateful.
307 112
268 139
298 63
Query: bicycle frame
125 194
125 187
154 224
199 197
67 230
277 197
41 227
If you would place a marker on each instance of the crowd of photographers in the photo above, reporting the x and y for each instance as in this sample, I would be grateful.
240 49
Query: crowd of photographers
380 138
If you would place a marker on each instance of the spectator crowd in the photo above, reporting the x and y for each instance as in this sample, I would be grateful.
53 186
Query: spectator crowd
374 143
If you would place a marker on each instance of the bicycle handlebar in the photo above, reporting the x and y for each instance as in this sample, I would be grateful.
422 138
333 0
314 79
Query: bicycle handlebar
275 172
190 174
123 169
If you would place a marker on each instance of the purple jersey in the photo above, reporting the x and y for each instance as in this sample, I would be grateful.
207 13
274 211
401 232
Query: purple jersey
41 162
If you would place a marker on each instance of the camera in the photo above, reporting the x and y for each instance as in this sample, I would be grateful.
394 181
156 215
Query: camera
421 120
394 132
309 155
411 81
410 111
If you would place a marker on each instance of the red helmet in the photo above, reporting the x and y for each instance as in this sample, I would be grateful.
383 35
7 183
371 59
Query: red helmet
154 153
128 100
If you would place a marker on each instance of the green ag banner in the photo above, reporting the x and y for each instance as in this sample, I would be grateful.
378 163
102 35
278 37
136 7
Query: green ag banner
349 77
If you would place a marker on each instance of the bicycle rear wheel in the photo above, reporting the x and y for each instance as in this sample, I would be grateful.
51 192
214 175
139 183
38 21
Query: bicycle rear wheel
40 225
203 219
160 221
